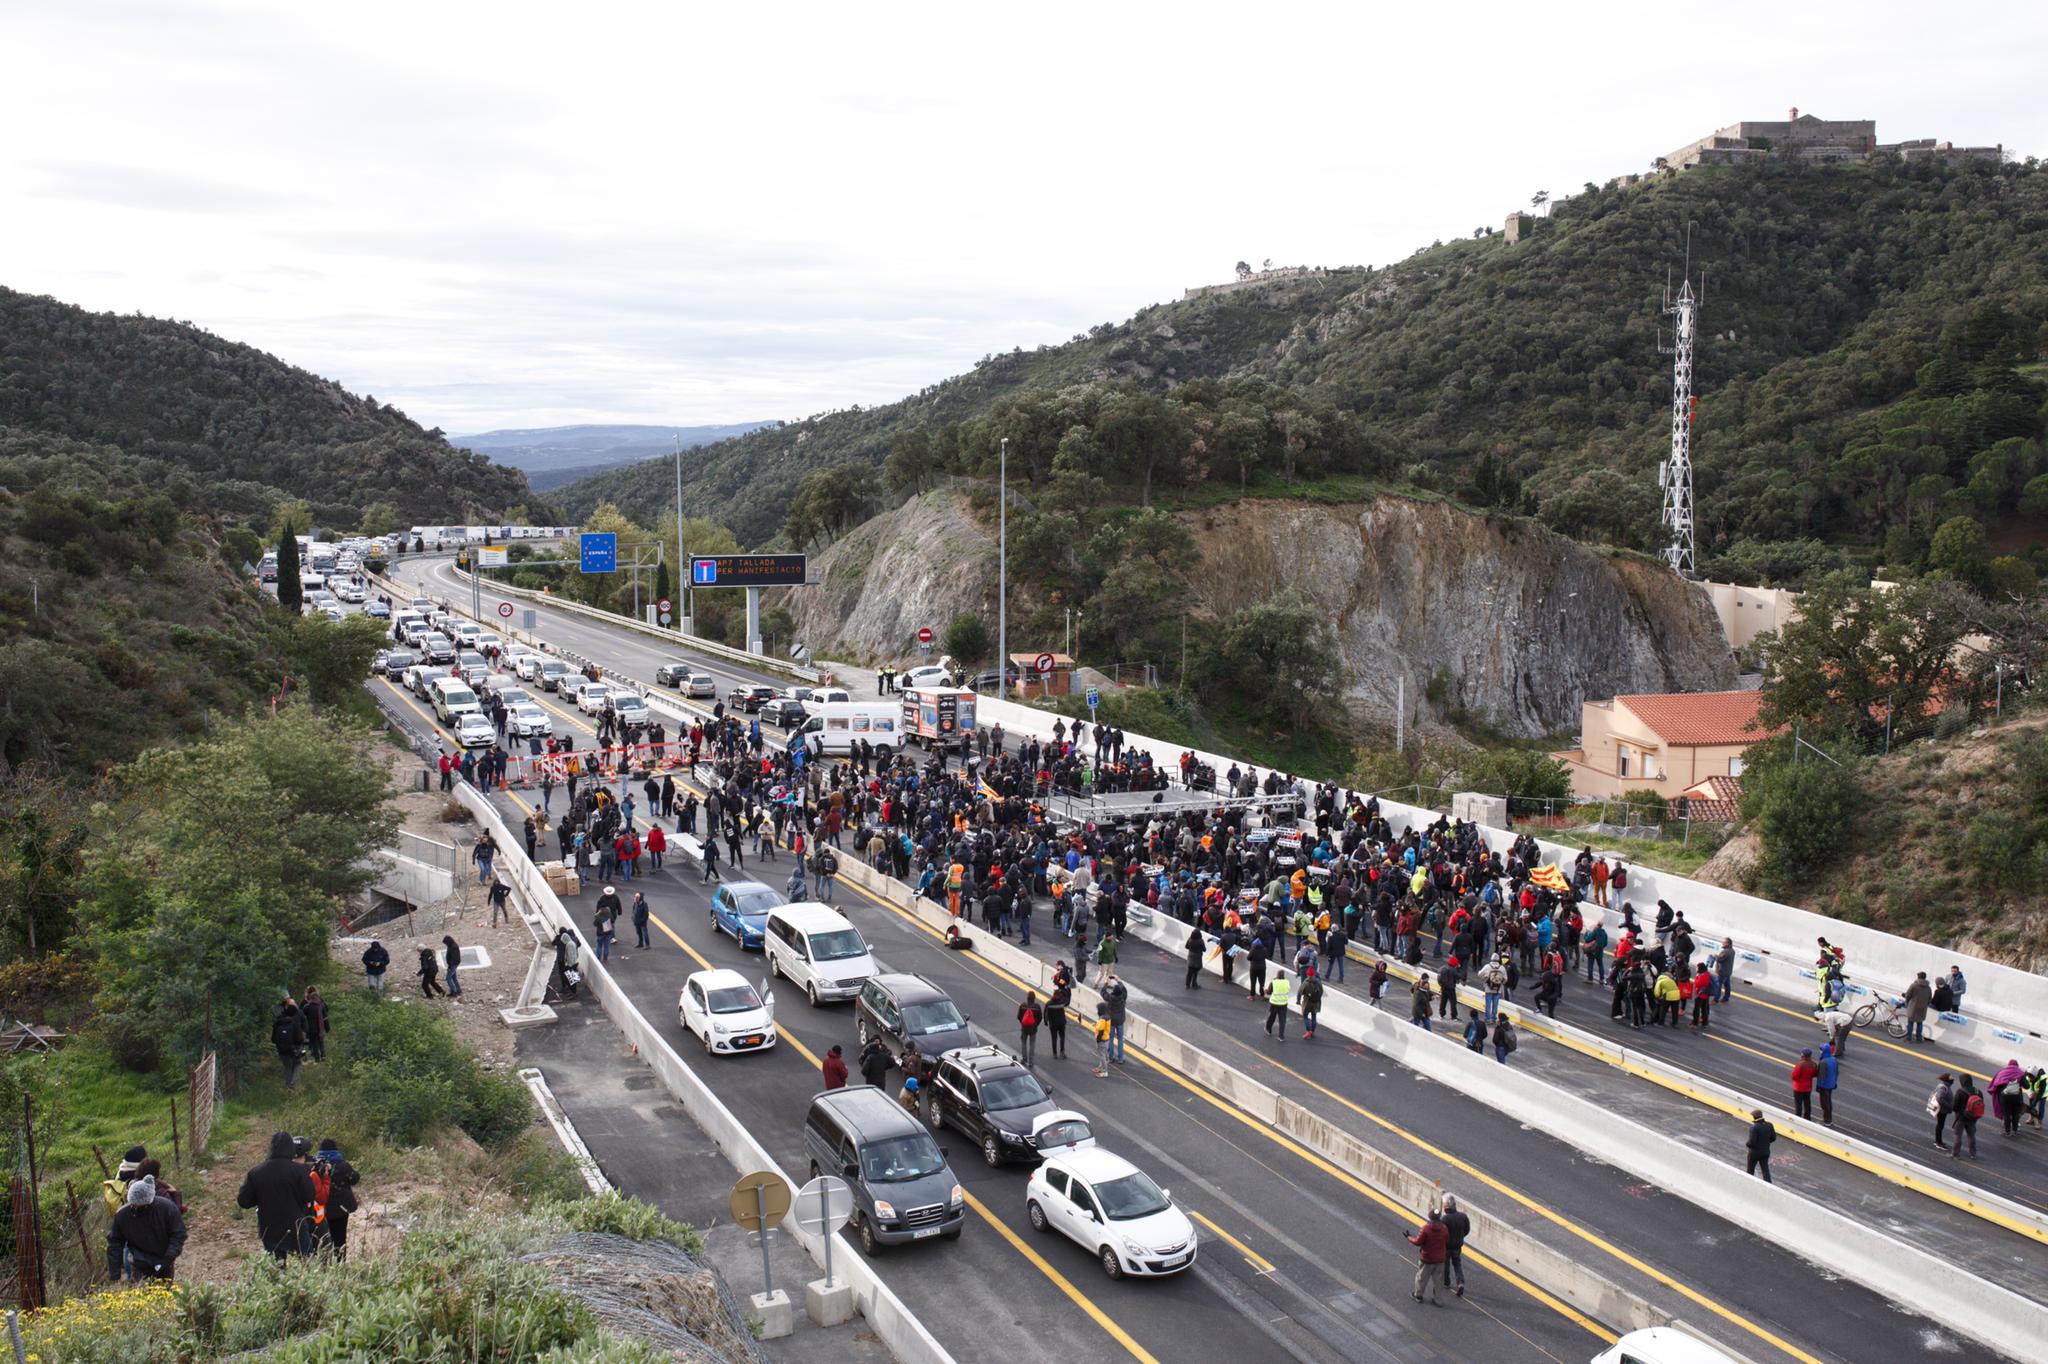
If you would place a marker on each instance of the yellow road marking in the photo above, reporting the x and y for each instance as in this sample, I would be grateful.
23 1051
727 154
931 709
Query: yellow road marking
1258 1261
1342 1176
1039 1262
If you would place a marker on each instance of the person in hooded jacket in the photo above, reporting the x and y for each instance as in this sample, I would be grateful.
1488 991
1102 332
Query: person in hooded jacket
288 1035
146 1237
1824 1084
281 1191
332 1168
1196 945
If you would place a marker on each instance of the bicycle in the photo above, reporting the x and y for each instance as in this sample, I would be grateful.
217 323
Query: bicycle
1884 1011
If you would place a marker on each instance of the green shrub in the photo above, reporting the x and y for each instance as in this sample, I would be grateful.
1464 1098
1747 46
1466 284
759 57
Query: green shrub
410 1074
1997 845
628 1217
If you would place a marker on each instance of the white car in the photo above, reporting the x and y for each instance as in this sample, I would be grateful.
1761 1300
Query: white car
528 720
592 696
472 730
725 1013
1661 1345
631 711
1111 1207
701 685
929 676
527 665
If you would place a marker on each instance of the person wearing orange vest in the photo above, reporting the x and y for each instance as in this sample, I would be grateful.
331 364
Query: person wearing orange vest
956 877
334 1196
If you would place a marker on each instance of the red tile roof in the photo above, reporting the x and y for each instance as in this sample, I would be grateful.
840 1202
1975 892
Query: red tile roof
1689 719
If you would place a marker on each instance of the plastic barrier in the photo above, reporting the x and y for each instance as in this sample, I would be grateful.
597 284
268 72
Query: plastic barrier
887 1316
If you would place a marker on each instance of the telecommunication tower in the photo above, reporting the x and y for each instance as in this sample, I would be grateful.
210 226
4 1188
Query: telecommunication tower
1674 475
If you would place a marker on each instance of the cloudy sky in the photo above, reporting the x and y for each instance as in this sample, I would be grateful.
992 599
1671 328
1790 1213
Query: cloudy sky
525 215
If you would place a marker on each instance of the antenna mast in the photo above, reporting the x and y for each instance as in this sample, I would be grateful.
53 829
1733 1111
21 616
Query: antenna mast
1674 475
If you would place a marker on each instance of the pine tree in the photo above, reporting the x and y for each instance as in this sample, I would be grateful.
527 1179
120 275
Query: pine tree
289 594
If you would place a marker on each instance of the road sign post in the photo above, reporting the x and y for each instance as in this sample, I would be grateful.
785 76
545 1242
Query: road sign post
822 1207
760 1200
1094 700
505 609
598 552
748 570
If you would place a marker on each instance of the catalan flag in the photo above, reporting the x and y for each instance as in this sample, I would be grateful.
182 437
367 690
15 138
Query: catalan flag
1550 878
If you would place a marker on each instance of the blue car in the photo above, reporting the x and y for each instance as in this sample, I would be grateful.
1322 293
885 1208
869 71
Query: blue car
378 610
741 909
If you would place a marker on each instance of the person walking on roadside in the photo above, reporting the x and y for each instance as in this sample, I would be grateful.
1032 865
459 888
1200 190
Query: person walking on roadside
1724 971
1029 1016
1101 1042
313 1012
640 918
376 961
875 1062
833 1070
1276 1004
1493 978
430 973
1505 1039
281 1191
2008 1093
1311 1003
1432 1241
1941 1105
1376 985
1804 1073
1195 946
1115 1003
451 954
1918 996
1418 1003
1830 1070
1056 1009
1968 1106
146 1237
341 1179
1475 1033
710 859
288 1035
1758 1145
1457 1226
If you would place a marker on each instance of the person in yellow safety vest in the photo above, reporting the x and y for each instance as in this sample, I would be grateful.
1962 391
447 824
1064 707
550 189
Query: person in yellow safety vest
1315 907
1667 996
1277 995
1417 882
956 876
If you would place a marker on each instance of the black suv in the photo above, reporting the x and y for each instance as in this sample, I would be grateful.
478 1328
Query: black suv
750 699
903 1009
672 674
785 711
988 1096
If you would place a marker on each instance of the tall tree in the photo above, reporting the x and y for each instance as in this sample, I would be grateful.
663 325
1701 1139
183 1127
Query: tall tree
1857 659
290 595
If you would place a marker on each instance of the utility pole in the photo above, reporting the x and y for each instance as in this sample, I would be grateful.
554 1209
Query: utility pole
1400 710
682 555
1003 570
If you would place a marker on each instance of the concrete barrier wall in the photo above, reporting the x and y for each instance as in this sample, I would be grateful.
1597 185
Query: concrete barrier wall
892 1322
1993 1315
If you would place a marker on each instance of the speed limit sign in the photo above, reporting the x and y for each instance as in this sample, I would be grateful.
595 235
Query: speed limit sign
505 609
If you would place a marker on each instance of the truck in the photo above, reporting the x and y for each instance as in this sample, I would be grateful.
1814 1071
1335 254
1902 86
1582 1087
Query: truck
938 717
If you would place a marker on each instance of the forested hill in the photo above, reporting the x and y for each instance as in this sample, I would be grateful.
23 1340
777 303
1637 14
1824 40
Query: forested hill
245 428
1869 369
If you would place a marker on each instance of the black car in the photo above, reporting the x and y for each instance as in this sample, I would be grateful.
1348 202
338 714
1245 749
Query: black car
672 674
904 1009
397 661
786 712
989 1097
985 680
750 699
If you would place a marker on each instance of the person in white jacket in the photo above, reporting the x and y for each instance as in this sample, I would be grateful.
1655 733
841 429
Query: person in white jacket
1493 978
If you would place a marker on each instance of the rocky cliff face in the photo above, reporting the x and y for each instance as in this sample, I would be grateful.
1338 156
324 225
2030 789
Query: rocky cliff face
915 567
1521 624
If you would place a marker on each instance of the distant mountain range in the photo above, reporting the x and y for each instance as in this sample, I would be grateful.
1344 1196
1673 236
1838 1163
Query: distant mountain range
554 455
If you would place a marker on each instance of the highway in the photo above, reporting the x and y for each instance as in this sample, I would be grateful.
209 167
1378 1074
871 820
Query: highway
1280 1267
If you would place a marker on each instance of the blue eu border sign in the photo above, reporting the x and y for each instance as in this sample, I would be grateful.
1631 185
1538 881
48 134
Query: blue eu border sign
1094 700
600 552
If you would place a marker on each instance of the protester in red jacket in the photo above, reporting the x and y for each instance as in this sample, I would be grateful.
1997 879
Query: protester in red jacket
1433 1240
1804 1073
834 1068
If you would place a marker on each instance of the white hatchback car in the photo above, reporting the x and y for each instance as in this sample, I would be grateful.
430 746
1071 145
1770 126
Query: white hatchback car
526 664
1112 1208
591 697
472 730
725 1013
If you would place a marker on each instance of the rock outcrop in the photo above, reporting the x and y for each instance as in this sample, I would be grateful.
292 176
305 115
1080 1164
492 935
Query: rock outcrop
1520 624
894 574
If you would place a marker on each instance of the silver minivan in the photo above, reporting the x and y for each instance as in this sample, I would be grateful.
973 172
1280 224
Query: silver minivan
815 946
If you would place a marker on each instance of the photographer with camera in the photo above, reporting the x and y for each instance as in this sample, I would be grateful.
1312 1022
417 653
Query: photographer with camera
334 1191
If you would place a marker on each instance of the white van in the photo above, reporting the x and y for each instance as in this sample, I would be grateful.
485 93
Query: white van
814 946
452 697
834 726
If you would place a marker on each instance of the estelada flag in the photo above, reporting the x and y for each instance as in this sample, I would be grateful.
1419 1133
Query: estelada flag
989 792
1550 878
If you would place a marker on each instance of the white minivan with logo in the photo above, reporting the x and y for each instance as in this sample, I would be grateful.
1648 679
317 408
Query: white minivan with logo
814 945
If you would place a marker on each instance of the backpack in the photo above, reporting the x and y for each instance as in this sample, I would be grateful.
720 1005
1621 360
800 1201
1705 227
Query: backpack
1514 1041
1620 878
1973 1107
1030 1019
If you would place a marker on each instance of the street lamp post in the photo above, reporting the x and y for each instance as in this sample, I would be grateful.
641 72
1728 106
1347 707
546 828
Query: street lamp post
1003 569
682 556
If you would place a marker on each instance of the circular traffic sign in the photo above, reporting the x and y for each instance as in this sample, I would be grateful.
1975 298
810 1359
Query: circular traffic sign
823 1206
759 1200
1044 663
663 605
505 609
924 635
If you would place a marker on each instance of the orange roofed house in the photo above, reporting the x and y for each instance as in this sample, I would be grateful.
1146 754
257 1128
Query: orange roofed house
1674 744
